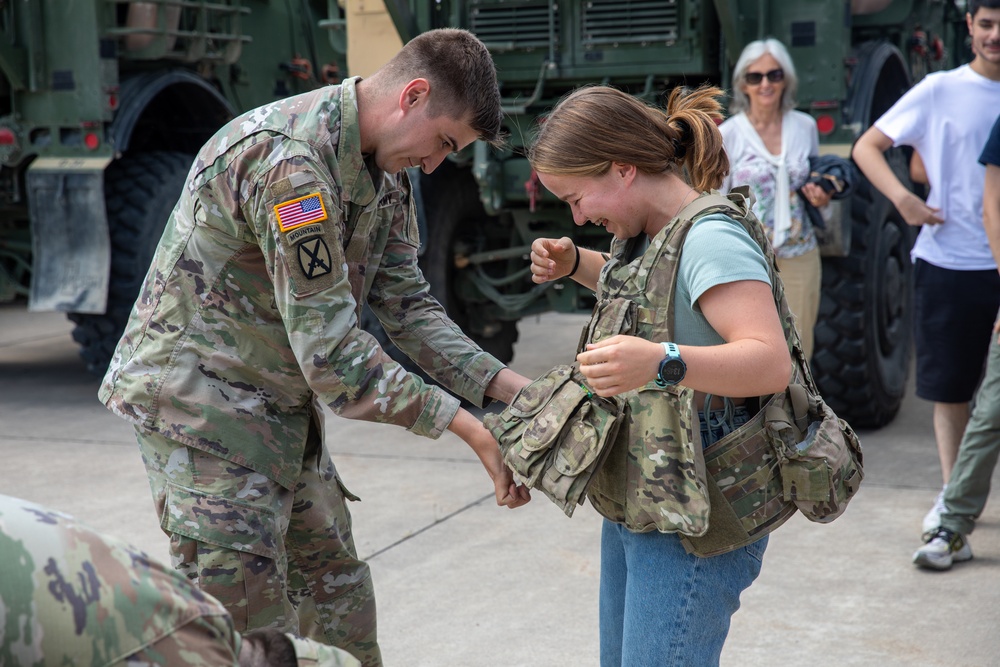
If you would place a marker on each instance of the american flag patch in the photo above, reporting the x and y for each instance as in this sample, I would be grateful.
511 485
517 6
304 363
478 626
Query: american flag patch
300 211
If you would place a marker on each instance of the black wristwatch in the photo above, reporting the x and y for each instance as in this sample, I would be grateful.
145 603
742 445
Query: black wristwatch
672 368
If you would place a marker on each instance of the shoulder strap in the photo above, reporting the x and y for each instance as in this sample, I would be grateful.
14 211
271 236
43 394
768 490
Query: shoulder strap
706 203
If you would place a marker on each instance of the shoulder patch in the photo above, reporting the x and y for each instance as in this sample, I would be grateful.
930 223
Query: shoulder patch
300 211
280 188
314 258
302 232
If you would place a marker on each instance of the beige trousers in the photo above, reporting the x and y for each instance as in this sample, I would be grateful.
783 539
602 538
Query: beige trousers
802 277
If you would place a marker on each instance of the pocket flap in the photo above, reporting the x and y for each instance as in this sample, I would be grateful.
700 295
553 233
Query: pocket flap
535 395
610 318
221 522
549 421
592 429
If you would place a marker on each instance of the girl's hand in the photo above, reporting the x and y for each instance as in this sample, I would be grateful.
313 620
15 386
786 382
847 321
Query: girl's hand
552 259
619 364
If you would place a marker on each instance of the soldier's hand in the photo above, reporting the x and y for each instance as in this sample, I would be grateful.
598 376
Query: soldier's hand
509 493
470 429
552 259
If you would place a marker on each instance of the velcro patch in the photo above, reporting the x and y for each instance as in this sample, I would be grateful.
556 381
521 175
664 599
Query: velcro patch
304 232
314 258
301 211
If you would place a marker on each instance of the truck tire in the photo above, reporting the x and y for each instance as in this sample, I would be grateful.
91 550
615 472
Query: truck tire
864 330
140 192
454 214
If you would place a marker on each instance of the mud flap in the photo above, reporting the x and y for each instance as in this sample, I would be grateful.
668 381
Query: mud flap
70 244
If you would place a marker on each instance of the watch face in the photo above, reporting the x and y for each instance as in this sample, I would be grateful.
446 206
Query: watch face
672 370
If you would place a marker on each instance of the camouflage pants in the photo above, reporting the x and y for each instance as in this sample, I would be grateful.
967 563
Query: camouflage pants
274 557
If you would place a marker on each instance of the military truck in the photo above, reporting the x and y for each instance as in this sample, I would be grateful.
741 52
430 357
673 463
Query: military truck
854 60
103 104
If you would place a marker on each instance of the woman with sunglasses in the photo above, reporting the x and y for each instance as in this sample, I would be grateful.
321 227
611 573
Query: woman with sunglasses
769 144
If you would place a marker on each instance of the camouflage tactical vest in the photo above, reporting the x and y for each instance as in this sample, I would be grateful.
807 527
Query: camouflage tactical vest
793 454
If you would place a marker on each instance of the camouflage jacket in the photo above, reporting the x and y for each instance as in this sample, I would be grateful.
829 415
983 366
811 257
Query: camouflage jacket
73 597
252 302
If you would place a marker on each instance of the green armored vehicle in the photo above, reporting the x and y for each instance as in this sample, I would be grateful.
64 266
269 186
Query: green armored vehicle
854 60
103 104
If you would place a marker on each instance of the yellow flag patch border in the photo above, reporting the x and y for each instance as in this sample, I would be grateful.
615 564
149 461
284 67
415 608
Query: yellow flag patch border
291 217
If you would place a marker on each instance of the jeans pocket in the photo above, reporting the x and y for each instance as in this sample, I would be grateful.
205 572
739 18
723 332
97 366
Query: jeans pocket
756 549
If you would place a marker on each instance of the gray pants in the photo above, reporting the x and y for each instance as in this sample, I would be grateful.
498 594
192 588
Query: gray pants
969 484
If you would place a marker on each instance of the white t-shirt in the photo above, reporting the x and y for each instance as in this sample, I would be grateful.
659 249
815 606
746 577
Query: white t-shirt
947 118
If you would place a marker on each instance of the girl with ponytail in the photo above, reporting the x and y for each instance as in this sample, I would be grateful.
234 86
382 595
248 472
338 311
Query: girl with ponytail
640 171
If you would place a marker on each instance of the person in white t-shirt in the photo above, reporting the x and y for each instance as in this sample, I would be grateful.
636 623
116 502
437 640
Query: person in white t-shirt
769 144
947 118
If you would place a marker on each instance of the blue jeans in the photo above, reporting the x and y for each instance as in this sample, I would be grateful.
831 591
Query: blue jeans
661 606
721 423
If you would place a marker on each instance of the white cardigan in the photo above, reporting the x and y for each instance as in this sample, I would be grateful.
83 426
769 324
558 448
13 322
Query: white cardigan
789 170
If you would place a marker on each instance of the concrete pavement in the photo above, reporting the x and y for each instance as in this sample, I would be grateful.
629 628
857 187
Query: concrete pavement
462 583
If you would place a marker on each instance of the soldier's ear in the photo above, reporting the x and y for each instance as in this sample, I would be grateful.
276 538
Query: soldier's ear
414 94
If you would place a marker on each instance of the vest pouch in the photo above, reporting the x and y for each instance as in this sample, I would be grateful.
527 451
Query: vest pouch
533 421
584 440
666 483
555 434
610 318
819 454
743 469
564 404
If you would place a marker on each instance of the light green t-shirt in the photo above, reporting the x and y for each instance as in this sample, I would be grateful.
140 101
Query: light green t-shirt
717 250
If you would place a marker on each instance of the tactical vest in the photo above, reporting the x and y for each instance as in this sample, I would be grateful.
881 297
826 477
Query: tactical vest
657 476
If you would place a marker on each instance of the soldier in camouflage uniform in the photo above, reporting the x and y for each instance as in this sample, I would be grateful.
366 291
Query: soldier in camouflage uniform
294 216
716 331
71 596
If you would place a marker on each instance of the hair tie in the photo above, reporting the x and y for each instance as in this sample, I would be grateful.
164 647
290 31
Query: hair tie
682 140
680 150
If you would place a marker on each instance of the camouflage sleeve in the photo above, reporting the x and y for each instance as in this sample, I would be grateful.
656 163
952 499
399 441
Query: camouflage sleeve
298 216
416 322
72 596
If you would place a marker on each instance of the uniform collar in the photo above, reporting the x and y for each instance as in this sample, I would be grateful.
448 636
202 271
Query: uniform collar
357 180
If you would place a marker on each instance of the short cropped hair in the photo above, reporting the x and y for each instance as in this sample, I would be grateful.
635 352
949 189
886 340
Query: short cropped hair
462 75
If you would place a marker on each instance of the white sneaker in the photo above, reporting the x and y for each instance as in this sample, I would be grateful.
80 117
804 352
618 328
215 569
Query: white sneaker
933 518
943 549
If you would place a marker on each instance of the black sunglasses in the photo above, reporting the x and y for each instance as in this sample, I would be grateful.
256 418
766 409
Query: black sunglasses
774 76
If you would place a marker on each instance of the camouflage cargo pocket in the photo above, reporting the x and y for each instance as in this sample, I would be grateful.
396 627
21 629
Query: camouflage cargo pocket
818 453
233 550
221 522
